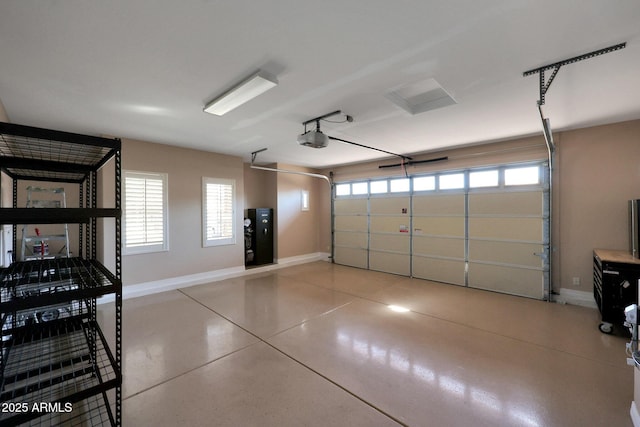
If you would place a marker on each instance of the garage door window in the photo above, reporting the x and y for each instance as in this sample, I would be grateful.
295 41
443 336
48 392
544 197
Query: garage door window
529 175
451 181
480 179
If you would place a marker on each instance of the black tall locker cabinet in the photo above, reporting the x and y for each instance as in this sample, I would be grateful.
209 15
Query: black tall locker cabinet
262 236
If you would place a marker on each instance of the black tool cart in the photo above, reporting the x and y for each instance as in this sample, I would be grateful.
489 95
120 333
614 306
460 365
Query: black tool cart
615 286
57 367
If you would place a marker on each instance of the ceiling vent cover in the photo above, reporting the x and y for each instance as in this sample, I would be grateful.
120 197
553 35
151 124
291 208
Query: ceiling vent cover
420 97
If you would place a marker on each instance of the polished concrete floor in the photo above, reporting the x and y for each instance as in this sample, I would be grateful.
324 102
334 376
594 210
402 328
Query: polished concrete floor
317 345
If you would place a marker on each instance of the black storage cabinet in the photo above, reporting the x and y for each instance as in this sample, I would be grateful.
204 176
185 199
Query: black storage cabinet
262 235
615 286
56 365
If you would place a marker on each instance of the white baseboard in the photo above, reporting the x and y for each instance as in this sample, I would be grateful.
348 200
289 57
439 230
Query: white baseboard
635 416
573 297
163 285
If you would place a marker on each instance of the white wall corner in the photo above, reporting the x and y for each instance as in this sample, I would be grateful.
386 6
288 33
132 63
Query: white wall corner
573 297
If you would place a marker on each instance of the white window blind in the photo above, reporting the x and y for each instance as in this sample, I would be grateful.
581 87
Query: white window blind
145 212
218 212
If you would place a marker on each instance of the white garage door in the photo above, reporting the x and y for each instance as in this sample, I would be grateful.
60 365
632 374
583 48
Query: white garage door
485 228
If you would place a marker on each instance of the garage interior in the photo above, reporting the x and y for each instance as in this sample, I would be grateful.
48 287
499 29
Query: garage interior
438 177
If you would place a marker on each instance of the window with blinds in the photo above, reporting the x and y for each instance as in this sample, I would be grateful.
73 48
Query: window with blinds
145 212
218 207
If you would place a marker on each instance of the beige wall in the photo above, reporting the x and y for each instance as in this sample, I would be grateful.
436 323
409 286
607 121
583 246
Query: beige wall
597 170
299 232
185 169
3 113
260 188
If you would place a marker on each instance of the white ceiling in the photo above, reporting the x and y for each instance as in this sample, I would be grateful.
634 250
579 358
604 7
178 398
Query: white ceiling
145 69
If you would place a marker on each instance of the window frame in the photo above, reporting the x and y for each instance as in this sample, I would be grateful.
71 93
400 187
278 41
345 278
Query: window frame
226 240
146 248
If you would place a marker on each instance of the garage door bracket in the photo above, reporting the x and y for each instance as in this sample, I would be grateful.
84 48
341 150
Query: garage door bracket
555 67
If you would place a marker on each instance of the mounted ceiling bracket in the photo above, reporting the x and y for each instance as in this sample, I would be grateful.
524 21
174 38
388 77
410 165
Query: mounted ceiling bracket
545 84
555 67
255 154
348 118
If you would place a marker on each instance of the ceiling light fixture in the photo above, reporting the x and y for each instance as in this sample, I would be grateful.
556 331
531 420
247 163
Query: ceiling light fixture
255 85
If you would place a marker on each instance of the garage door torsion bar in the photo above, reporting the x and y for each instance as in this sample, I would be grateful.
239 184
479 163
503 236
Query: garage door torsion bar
544 84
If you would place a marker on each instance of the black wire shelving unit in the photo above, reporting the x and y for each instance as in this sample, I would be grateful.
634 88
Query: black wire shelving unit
57 367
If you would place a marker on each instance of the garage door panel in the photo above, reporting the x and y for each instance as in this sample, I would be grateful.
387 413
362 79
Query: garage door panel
515 281
389 224
439 270
350 206
351 239
447 247
439 204
506 228
506 252
444 226
389 262
351 256
391 242
389 206
507 203
353 223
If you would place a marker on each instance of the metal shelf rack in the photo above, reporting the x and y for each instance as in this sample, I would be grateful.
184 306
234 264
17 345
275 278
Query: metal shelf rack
56 365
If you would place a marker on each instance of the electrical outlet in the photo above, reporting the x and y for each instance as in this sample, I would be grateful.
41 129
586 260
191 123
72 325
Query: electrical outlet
576 281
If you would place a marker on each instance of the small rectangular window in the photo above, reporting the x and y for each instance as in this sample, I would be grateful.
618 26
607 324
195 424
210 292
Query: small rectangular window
451 181
399 185
343 189
145 212
359 188
487 178
529 175
218 212
304 200
378 187
424 183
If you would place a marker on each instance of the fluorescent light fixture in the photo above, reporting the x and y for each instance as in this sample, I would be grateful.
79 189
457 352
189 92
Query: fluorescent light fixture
248 89
398 309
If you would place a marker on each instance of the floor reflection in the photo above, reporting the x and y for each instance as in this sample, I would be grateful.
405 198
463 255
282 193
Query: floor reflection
488 401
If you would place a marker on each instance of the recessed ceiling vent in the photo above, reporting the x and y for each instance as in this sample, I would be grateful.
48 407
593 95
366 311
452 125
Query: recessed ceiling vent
420 97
